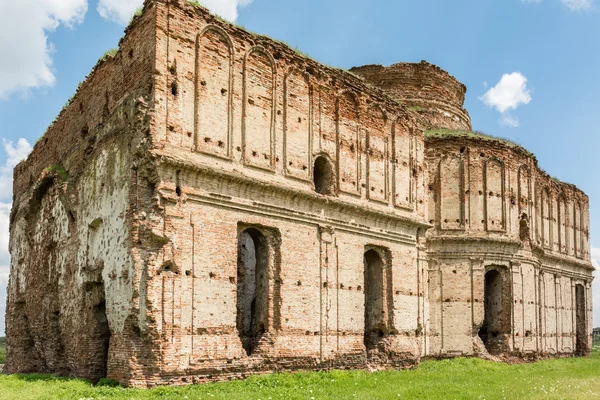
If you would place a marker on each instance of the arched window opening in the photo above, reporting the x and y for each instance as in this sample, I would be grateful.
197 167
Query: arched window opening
252 287
323 177
495 330
375 326
580 321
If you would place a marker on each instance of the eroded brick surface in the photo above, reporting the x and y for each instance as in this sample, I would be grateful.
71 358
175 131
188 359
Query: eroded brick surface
212 205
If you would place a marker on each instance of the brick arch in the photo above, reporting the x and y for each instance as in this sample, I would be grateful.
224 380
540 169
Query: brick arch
258 142
297 127
216 140
348 143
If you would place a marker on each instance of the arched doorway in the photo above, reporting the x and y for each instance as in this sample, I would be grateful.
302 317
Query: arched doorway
374 300
323 176
252 287
496 325
580 321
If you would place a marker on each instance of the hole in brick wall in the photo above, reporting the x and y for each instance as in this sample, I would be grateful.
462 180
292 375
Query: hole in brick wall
188 273
173 68
174 88
462 149
299 283
223 91
323 177
178 183
131 53
211 275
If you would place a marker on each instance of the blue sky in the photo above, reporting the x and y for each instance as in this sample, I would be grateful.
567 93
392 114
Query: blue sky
540 57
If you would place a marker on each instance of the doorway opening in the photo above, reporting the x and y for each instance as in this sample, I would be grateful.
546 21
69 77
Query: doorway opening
375 325
103 336
252 287
581 347
495 329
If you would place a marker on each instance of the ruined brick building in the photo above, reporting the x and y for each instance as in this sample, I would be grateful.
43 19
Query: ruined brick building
212 204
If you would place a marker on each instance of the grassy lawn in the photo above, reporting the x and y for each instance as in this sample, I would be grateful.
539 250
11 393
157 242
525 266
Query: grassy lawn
462 378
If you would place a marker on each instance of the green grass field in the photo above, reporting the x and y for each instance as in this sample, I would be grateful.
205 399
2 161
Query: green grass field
462 378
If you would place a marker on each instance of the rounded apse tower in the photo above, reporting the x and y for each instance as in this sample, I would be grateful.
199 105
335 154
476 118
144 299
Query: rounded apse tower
424 87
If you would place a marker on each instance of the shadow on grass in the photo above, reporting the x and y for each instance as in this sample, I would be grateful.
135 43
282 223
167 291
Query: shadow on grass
46 378
104 382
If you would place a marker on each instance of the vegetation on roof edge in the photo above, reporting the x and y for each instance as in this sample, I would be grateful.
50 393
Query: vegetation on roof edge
443 133
446 133
110 53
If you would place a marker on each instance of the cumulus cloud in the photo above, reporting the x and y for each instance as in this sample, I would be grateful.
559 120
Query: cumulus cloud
573 5
578 5
26 60
14 154
509 94
121 11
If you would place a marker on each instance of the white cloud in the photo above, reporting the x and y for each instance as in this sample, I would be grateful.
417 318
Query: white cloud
26 60
508 94
14 154
578 5
573 5
121 11
227 9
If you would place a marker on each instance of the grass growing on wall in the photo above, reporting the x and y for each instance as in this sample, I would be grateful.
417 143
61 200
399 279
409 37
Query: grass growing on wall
443 133
461 378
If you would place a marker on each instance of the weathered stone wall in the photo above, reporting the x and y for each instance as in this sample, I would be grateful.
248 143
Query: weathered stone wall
212 204
427 89
493 209
71 281
241 121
